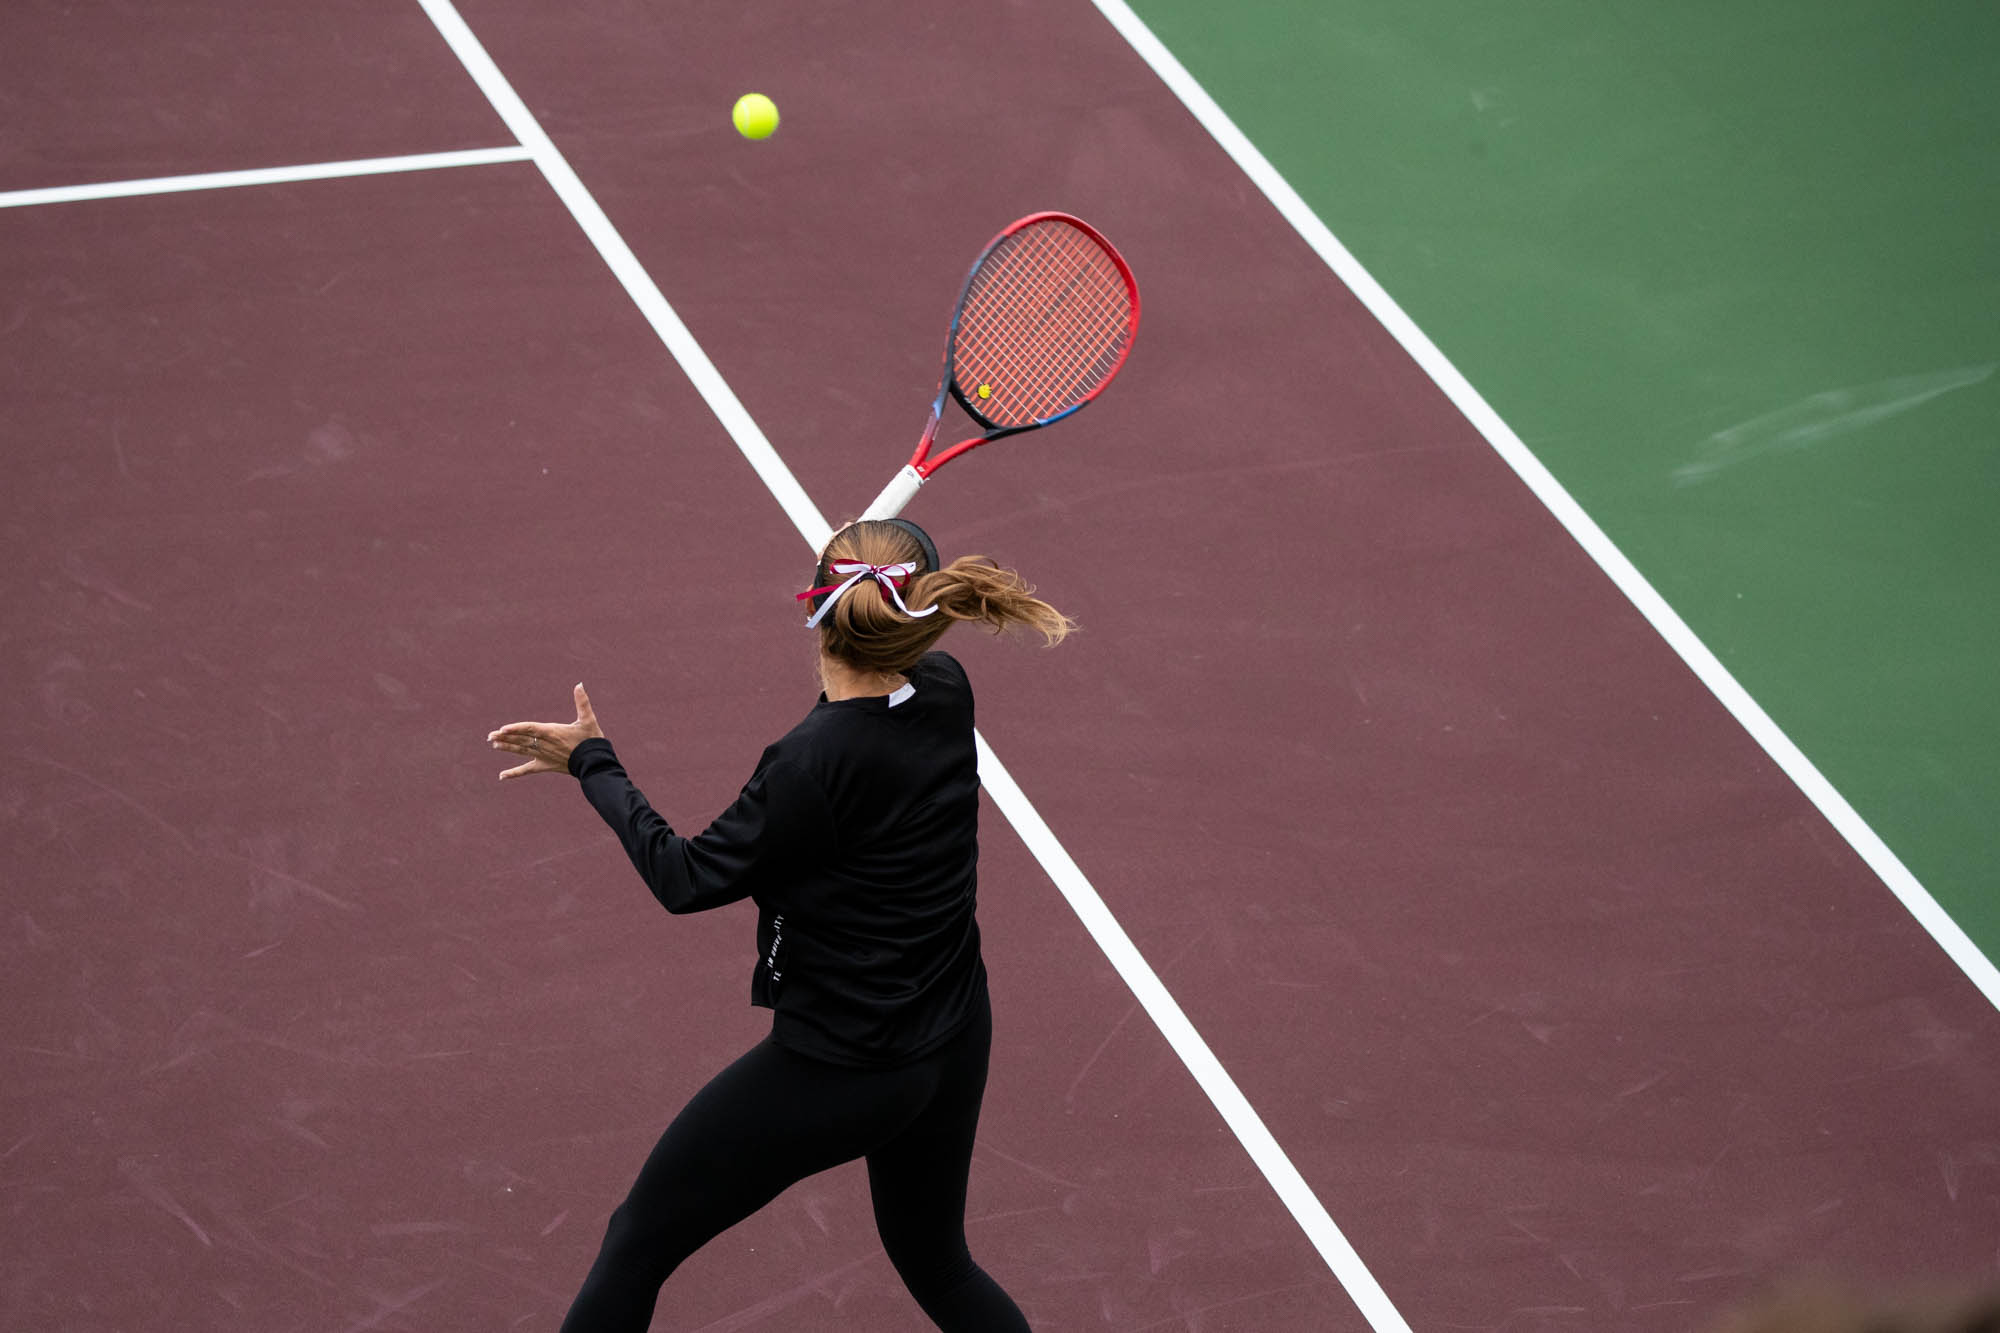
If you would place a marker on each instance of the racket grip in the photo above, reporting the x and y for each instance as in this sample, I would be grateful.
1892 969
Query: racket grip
896 494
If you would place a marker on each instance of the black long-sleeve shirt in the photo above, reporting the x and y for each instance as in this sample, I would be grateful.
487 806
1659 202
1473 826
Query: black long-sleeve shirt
858 838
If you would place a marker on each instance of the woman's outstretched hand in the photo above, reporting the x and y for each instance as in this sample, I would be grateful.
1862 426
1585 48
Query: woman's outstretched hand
547 744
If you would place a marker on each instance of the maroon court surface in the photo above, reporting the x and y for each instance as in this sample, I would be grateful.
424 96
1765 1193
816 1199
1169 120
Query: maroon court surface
1571 1010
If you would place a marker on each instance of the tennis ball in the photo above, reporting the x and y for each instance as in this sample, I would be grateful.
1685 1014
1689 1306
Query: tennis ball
756 116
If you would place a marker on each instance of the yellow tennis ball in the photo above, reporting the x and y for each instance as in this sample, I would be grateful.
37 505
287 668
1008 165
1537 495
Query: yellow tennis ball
756 116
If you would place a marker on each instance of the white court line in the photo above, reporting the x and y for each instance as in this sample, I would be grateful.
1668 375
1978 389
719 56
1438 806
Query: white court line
1166 1013
1111 938
638 284
223 180
1567 511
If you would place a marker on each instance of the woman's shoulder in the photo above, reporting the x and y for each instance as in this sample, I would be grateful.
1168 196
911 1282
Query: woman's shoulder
938 660
939 668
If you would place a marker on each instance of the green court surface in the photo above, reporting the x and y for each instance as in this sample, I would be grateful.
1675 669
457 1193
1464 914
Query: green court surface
1730 273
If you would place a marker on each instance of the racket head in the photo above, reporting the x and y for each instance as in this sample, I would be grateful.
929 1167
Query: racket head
1045 321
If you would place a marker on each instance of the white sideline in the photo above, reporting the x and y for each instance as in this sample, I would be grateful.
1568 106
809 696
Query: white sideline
222 180
1166 1013
638 284
1069 879
1844 818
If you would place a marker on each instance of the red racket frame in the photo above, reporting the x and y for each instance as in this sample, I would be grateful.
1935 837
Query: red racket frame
922 465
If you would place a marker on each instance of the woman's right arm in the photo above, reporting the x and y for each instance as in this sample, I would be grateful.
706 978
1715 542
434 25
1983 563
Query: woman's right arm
779 818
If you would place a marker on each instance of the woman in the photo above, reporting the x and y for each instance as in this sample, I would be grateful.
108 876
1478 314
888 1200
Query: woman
857 838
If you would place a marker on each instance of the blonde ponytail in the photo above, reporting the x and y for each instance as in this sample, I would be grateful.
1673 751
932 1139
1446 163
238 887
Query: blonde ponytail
866 630
974 588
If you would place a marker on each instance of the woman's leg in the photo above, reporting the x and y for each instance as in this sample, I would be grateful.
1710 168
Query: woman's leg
918 1181
770 1119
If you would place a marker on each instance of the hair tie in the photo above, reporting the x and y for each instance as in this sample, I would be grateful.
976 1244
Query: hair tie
890 578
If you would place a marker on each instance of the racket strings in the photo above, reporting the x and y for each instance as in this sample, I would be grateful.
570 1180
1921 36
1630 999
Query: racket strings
1050 322
1057 332
1044 322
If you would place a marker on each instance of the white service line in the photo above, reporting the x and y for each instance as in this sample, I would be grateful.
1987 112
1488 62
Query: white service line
1124 956
223 180
1917 899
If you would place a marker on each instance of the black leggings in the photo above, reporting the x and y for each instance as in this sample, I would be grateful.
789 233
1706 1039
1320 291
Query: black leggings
772 1119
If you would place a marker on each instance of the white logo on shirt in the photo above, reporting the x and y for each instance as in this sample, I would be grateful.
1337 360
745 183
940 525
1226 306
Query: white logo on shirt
777 938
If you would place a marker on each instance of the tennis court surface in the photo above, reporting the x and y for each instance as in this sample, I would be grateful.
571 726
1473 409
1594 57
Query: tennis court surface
1560 1001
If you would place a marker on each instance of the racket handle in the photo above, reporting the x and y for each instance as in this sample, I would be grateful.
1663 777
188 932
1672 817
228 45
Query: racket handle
896 494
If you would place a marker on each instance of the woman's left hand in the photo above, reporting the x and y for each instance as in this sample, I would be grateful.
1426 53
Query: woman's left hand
547 745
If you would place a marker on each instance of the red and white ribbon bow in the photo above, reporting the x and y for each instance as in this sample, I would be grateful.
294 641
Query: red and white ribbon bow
891 578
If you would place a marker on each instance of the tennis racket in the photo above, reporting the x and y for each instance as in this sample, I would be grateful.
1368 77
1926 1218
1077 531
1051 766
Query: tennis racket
1044 322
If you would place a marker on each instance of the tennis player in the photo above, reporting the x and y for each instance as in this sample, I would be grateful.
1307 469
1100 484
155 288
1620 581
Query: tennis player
856 837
